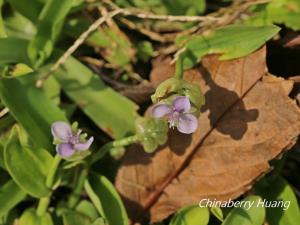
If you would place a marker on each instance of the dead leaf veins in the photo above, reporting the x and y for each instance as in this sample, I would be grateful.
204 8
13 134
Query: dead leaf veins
248 120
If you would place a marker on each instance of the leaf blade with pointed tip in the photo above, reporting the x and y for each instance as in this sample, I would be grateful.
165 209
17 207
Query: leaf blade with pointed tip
13 50
48 30
27 168
277 12
106 199
232 42
109 110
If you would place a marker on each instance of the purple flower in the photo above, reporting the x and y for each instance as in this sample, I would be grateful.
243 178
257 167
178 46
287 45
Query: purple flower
69 142
178 114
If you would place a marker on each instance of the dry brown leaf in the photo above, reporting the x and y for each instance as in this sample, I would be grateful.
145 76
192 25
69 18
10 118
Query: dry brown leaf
245 123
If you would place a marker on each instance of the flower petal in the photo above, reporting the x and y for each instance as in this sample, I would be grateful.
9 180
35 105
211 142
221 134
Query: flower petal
61 130
187 124
182 104
84 146
65 150
161 110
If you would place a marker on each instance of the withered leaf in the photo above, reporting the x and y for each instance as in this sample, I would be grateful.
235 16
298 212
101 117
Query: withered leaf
248 120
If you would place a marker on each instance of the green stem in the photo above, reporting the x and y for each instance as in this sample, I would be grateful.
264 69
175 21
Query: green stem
52 172
44 202
42 206
179 67
114 144
74 197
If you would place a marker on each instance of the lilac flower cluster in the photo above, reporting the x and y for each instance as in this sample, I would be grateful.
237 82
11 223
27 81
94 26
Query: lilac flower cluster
178 114
69 142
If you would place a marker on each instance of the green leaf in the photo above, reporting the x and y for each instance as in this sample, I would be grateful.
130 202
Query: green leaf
52 89
87 208
280 11
233 41
28 8
2 164
27 168
40 111
18 26
244 216
49 26
10 196
2 28
106 199
29 217
287 213
13 50
191 215
20 69
75 218
3 140
217 212
99 221
109 110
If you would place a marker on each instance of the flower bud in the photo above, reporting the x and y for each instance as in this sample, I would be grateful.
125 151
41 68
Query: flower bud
117 153
168 90
151 132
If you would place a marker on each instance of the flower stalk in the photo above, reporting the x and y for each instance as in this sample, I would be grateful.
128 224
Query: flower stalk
44 202
179 67
42 206
52 171
114 144
75 195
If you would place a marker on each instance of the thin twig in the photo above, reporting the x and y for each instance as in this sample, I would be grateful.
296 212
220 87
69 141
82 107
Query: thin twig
207 21
145 15
96 62
4 112
77 43
151 34
170 18
226 16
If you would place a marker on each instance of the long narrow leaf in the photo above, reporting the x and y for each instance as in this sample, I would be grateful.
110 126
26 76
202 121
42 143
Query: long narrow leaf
13 50
106 199
233 41
2 29
28 8
26 168
31 108
111 111
48 29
